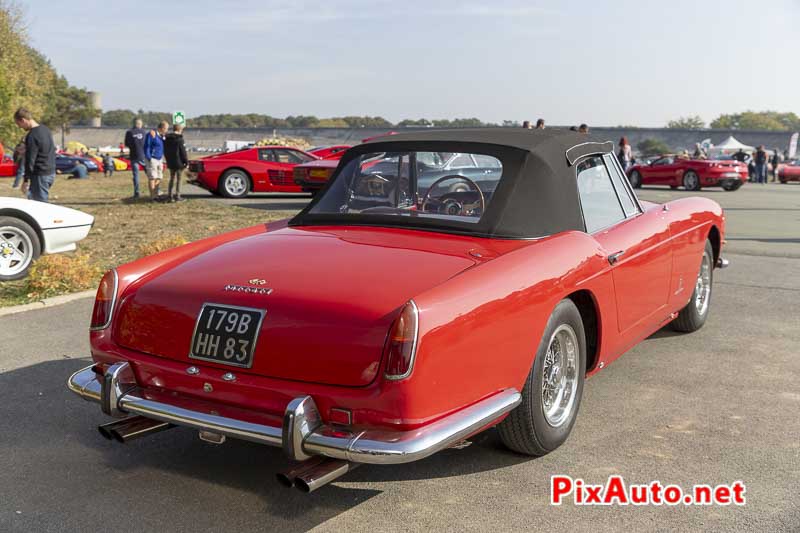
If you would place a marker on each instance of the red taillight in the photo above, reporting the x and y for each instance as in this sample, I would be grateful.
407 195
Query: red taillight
401 346
104 301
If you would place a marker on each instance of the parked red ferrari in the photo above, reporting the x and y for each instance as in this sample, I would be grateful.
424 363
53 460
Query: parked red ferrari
256 169
692 174
385 322
789 171
7 166
313 176
324 152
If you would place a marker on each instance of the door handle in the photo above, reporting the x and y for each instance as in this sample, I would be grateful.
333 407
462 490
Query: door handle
613 258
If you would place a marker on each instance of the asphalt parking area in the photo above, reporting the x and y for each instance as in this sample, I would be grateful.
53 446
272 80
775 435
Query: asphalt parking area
713 407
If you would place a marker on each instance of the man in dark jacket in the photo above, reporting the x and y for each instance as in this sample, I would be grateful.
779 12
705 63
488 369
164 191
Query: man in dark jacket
40 157
134 140
175 154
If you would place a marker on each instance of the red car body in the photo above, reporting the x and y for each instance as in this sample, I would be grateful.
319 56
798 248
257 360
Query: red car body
789 172
692 174
7 167
334 296
256 169
313 176
325 152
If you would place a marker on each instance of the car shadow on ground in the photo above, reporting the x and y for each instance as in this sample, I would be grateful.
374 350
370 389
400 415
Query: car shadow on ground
37 408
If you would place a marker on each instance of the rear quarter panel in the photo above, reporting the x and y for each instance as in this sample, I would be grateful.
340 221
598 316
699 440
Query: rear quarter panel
480 330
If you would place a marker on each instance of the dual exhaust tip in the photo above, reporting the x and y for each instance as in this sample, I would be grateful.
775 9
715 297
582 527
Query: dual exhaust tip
306 476
132 428
314 473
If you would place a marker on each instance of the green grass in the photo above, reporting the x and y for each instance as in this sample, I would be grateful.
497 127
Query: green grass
123 226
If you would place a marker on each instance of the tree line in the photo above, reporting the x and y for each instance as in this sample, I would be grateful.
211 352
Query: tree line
748 120
124 118
27 79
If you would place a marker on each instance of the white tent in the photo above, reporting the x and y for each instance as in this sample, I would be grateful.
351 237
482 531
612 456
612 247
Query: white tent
729 146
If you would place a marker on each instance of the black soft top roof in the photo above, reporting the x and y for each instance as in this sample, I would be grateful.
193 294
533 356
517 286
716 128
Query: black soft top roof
537 195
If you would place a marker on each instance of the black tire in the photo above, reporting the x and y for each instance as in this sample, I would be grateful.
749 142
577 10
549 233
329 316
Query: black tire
226 187
636 179
732 185
689 318
526 430
673 187
31 249
691 181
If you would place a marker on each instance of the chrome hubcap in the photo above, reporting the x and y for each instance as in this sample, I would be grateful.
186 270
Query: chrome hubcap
16 251
691 181
702 289
235 184
560 376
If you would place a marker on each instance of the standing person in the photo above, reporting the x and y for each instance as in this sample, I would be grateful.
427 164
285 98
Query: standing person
134 140
40 157
19 160
761 165
540 124
154 159
740 156
108 165
175 154
776 160
625 154
583 128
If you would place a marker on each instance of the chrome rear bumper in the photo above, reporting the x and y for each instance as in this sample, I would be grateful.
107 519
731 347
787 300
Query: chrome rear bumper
302 433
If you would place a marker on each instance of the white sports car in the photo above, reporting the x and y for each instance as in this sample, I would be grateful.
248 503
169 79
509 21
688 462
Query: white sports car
29 229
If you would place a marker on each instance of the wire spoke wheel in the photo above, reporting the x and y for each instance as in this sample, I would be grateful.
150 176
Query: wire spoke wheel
560 376
703 286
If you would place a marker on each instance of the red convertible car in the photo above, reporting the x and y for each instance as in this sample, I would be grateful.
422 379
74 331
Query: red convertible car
256 169
383 324
789 171
691 174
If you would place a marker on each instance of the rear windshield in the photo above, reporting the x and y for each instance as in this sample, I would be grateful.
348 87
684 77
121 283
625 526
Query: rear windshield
436 185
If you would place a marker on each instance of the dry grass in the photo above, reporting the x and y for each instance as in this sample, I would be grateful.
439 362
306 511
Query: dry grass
61 273
125 230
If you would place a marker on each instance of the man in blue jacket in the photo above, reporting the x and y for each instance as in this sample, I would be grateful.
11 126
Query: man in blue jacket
134 140
154 159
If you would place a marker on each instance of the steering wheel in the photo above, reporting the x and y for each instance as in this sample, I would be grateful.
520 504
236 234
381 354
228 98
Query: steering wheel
451 203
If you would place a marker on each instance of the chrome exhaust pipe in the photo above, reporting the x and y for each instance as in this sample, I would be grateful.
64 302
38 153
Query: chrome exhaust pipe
132 428
322 474
287 477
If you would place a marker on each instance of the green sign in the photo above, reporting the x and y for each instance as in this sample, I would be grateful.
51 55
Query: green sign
178 117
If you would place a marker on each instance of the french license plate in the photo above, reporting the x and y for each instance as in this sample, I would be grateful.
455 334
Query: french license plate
226 334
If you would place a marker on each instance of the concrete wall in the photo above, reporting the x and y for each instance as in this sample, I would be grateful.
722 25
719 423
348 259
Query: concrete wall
215 137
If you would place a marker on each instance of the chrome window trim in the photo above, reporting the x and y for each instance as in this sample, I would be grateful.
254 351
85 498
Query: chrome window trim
113 304
616 195
626 184
407 373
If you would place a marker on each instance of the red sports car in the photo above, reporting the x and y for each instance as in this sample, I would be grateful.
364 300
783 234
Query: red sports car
257 169
7 166
789 171
313 176
325 152
691 174
383 324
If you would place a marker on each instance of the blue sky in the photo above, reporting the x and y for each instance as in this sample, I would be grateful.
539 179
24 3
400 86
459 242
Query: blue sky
604 63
